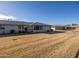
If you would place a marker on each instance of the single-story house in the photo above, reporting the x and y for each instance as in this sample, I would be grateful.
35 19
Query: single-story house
75 25
19 26
65 27
70 27
59 27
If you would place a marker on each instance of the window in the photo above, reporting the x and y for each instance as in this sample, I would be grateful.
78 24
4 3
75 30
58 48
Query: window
38 27
1 27
20 26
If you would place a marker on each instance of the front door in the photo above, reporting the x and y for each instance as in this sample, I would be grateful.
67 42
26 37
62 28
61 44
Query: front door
26 29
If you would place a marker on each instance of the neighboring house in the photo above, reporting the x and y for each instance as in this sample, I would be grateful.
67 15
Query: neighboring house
75 25
65 27
18 26
70 27
59 27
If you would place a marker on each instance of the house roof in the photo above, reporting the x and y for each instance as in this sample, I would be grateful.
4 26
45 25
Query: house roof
37 23
15 22
20 23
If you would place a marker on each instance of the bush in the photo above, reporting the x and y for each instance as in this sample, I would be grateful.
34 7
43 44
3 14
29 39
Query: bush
14 39
12 31
20 32
48 31
51 30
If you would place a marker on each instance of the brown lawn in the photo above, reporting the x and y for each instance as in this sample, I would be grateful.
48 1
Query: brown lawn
40 45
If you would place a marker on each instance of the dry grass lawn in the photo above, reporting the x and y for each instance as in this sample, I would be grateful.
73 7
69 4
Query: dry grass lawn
40 45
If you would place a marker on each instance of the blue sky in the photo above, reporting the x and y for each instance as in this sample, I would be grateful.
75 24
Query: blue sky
46 12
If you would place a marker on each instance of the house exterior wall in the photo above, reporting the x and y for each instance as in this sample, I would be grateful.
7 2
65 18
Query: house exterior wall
1 31
30 28
44 29
59 27
70 28
8 28
65 27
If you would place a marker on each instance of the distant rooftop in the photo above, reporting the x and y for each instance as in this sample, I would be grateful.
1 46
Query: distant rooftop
20 22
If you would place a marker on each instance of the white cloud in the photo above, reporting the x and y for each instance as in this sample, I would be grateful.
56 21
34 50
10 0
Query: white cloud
6 17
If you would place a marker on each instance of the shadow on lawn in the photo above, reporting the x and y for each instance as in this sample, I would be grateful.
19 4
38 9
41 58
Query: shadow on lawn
77 54
17 34
56 32
14 34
